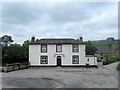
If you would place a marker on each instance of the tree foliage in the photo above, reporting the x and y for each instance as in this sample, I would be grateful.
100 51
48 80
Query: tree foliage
13 53
25 49
6 40
90 48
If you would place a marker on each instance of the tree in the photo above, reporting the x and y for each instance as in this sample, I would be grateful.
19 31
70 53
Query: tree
14 53
90 48
110 39
25 50
6 40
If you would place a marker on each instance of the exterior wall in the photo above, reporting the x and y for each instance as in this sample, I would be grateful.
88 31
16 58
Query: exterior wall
92 60
66 55
34 54
101 57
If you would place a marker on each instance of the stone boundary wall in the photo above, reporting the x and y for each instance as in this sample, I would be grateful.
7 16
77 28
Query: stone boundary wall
15 66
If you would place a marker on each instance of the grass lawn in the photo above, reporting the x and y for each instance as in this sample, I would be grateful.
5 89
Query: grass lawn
99 44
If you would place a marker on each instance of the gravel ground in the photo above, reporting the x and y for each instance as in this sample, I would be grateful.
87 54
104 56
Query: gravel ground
65 77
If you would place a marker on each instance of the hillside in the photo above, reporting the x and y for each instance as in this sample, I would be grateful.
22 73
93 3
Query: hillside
105 46
104 43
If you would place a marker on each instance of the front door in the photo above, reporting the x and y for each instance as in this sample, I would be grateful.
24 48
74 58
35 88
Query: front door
58 60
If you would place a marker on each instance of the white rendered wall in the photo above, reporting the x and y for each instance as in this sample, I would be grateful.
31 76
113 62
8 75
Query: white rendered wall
92 60
34 54
66 55
67 51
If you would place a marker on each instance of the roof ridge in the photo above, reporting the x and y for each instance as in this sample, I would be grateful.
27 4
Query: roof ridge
57 41
57 38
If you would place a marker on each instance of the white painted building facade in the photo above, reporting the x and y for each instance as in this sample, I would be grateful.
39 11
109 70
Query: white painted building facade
59 52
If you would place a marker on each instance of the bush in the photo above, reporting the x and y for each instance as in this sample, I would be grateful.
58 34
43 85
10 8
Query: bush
118 68
111 60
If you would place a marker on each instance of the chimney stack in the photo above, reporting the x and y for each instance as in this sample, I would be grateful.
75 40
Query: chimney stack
81 39
32 39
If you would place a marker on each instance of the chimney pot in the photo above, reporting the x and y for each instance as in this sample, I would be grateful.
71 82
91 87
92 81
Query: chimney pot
81 39
33 39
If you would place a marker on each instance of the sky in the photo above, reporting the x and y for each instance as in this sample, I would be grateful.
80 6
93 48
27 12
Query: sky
91 20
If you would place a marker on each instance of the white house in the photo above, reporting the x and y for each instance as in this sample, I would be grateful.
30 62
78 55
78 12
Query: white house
59 52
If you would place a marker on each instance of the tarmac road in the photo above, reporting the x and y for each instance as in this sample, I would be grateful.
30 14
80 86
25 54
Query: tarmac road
62 77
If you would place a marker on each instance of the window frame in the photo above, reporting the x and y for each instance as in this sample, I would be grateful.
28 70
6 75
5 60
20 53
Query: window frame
41 59
57 49
73 60
77 48
41 48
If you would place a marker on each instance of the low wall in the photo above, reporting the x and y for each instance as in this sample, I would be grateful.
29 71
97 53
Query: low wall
99 64
15 66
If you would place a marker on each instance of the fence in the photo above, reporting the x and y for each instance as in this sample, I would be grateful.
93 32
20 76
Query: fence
15 66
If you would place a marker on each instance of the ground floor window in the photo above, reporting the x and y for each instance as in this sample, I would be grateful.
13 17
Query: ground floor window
75 59
44 60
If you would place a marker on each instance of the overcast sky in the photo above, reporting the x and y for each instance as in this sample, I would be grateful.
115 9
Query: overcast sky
93 21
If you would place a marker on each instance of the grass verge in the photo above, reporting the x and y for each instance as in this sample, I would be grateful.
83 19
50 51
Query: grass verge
118 68
111 60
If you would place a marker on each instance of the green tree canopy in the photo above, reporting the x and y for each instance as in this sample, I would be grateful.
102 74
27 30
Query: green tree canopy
25 50
6 40
13 54
90 48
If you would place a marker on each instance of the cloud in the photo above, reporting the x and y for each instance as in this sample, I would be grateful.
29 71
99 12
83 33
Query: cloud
67 19
107 32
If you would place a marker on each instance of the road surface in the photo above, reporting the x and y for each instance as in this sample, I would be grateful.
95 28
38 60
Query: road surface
62 77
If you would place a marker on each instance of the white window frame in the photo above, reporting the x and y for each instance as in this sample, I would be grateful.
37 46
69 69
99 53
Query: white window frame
43 48
75 48
59 49
44 60
75 59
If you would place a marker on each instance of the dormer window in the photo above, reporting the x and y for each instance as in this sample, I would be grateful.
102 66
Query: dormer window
43 48
59 48
75 48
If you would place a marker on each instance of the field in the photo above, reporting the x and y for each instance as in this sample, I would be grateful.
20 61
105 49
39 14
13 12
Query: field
104 43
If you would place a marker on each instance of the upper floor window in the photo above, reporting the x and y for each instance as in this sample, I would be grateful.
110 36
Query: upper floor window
75 48
58 48
75 59
44 60
43 48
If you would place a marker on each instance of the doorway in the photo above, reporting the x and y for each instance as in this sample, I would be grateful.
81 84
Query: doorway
58 60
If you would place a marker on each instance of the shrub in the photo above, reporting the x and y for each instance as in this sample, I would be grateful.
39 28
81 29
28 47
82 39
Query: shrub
118 68
111 60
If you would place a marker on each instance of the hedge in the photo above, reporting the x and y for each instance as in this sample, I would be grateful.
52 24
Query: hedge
118 68
111 60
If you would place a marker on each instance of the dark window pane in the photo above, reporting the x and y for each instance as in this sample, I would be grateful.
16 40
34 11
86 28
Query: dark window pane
75 59
58 48
43 48
44 60
75 48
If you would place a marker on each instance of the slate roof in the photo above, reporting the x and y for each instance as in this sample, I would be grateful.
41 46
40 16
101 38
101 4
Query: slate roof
103 50
57 41
90 56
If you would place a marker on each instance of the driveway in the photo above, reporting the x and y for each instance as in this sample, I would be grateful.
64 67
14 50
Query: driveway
62 77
